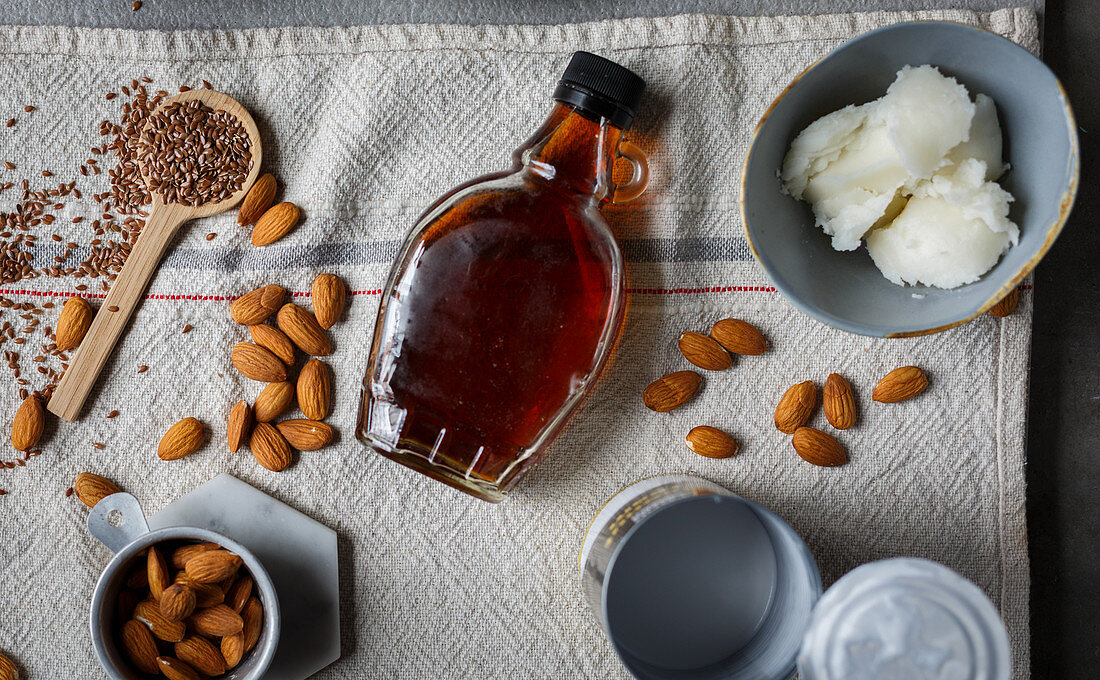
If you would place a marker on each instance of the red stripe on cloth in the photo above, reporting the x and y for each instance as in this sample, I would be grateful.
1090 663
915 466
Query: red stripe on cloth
694 291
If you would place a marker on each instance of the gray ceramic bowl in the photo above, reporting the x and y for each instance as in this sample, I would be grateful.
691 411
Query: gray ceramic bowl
845 289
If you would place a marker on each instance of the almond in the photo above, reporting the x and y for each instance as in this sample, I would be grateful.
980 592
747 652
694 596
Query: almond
73 322
273 400
711 442
148 612
275 223
303 330
138 578
233 649
329 294
270 448
183 554
201 655
237 595
900 384
795 406
258 199
315 390
739 337
174 669
274 340
704 352
8 669
177 602
253 616
216 621
671 391
139 645
30 420
255 306
257 363
124 605
212 566
91 488
305 435
1007 304
182 439
157 573
819 448
240 425
838 402
206 594
225 585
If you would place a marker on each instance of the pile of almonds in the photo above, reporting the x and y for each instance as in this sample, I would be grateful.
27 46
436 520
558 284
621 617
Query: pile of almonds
189 615
714 352
271 356
798 402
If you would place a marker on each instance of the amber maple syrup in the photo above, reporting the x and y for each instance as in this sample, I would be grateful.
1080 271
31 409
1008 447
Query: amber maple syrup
501 309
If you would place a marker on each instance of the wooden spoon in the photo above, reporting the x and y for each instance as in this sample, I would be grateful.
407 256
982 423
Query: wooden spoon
160 227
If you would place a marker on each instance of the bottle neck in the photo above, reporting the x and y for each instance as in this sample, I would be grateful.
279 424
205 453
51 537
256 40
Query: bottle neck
575 149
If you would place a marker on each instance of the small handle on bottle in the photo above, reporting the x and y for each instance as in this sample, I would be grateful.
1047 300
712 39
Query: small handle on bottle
639 178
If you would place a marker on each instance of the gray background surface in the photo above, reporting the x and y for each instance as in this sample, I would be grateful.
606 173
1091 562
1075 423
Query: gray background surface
1063 437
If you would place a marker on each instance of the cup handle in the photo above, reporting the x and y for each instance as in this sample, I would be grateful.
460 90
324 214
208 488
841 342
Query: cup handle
638 180
117 531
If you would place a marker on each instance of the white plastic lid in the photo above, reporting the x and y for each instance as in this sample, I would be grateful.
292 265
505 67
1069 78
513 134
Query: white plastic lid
904 619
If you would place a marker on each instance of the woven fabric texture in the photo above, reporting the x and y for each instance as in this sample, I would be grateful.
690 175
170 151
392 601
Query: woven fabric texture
366 126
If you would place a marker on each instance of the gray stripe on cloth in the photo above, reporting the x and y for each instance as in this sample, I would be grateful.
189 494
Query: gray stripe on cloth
721 249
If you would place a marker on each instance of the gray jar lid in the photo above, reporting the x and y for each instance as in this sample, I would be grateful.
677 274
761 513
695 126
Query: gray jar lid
904 619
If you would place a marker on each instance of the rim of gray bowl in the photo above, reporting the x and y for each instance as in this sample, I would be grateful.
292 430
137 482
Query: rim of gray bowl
1052 231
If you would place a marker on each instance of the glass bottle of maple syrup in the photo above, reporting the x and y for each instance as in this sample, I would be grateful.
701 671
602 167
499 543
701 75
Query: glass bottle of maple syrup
507 296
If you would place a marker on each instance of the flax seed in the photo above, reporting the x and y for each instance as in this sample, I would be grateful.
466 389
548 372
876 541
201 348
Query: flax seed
142 368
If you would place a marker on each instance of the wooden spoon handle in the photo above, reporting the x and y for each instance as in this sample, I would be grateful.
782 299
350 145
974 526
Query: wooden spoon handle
111 319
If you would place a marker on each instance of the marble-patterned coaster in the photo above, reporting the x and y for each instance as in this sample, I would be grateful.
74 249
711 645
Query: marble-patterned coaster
298 552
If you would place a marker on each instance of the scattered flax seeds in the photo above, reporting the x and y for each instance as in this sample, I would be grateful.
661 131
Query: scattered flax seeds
121 196
112 414
142 368
10 123
28 108
112 308
69 492
211 236
187 328
98 445
136 6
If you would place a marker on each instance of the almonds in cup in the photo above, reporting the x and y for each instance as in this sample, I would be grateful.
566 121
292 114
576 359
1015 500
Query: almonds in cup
195 629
